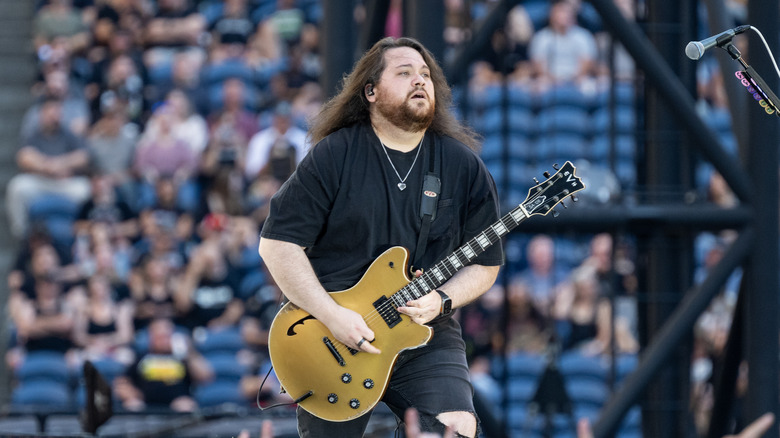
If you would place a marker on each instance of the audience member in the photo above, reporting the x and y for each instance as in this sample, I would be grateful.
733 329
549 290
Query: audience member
176 26
276 150
59 23
160 154
288 20
111 144
50 161
122 85
184 75
188 126
233 120
163 376
75 109
106 207
542 276
208 292
45 322
563 51
231 31
528 329
152 283
575 308
104 326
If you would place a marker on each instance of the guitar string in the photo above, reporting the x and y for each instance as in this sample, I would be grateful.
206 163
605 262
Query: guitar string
376 314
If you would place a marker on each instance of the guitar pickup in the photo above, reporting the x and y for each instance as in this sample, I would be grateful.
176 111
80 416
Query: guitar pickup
332 348
387 311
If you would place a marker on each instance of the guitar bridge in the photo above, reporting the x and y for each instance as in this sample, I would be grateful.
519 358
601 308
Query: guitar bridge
332 348
388 312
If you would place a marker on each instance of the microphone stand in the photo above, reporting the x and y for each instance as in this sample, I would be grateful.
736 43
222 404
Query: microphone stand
752 76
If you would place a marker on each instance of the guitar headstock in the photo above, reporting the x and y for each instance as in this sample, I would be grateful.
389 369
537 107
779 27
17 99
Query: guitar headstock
551 192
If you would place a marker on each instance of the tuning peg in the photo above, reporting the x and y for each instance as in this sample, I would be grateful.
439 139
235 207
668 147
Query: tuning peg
536 181
555 213
555 166
563 205
574 198
546 174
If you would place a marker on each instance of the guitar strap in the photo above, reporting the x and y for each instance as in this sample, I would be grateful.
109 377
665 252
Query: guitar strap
429 199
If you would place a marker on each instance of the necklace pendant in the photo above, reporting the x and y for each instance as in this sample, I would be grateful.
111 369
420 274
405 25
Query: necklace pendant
401 186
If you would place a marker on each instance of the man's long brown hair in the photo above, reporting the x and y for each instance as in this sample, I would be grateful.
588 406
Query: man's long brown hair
350 105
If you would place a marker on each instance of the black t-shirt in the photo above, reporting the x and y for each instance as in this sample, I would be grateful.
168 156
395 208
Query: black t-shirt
343 204
161 378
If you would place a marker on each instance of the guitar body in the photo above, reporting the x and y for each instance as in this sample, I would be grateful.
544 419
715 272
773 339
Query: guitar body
344 384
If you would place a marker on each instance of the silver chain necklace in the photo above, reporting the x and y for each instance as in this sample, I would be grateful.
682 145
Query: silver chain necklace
402 184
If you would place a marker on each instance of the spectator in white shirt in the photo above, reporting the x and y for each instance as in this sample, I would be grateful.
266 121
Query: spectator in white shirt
278 148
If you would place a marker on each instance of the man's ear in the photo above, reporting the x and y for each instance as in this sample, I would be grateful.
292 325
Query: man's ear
370 92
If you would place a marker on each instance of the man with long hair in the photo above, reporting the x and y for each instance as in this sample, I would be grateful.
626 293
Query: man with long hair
357 193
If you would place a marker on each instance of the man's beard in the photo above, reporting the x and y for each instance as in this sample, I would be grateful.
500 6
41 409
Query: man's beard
405 117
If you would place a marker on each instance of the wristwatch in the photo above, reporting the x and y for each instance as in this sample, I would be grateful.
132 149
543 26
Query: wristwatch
446 304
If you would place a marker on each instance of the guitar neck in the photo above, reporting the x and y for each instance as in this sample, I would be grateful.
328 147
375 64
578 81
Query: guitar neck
446 268
542 198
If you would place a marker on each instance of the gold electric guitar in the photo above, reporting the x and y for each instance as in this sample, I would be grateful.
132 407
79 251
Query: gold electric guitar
337 383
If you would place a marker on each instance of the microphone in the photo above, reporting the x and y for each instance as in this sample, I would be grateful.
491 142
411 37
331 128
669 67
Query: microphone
695 49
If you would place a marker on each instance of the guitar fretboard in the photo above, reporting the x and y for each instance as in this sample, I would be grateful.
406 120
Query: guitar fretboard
446 268
541 200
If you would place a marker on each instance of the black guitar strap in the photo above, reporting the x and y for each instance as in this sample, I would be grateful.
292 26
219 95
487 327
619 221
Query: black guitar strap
429 199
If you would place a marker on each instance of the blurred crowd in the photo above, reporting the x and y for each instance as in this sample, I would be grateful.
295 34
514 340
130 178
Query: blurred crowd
160 130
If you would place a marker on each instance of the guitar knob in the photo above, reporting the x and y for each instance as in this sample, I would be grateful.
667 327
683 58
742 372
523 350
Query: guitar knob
546 174
332 398
563 205
555 166
346 377
555 213
368 383
574 199
354 403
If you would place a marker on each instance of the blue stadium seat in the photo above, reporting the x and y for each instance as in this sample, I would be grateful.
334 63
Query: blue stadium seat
226 366
44 393
566 95
56 213
487 97
489 122
43 366
218 393
587 393
521 149
521 96
109 368
625 364
561 147
232 68
624 119
492 148
251 283
563 119
522 122
625 170
224 340
600 149
526 364
576 366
